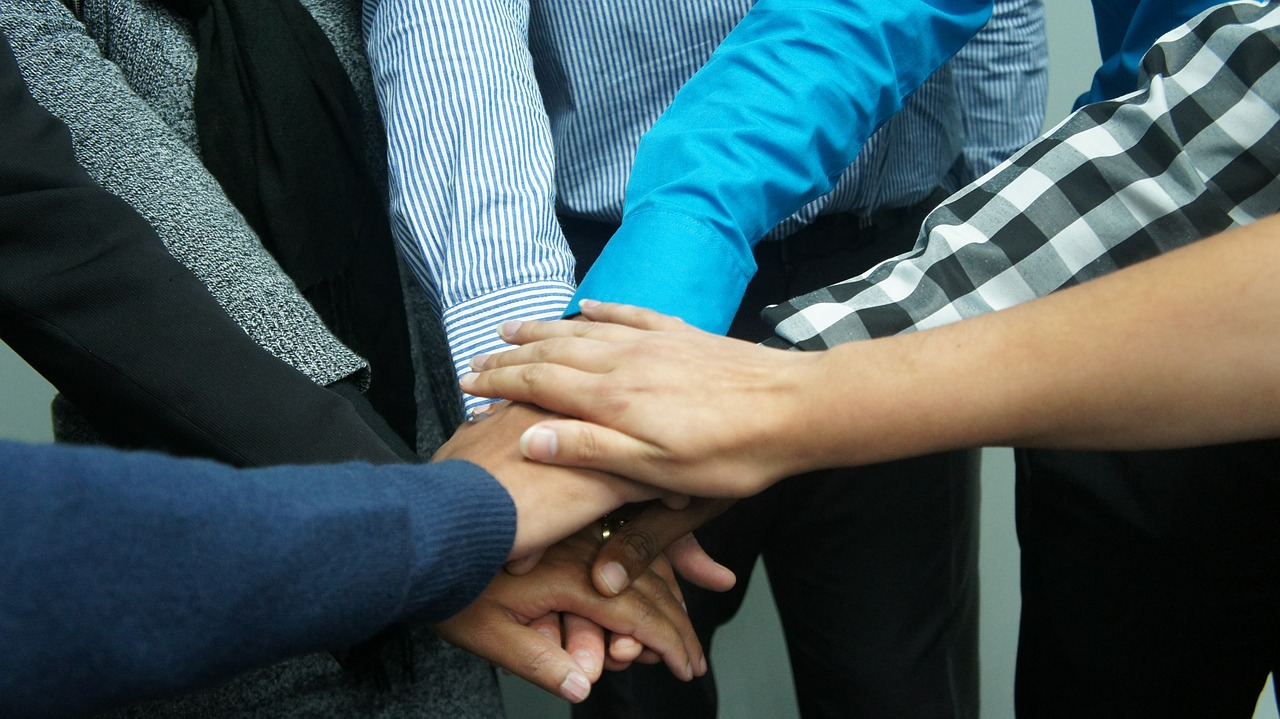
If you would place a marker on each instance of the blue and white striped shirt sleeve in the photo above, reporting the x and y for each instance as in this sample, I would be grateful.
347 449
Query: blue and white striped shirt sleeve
471 164
1002 79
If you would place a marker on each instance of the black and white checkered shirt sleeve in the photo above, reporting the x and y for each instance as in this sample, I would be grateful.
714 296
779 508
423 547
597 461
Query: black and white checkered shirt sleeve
1194 152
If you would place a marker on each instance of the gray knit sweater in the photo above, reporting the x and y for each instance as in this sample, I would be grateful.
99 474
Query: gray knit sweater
122 79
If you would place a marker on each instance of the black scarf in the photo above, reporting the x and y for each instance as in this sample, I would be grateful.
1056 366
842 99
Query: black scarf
280 128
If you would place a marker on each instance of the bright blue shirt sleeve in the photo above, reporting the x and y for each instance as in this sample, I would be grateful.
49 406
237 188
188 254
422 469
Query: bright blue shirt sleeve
130 576
769 123
1126 30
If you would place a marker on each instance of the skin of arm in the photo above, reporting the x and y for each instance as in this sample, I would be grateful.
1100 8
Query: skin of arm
1161 354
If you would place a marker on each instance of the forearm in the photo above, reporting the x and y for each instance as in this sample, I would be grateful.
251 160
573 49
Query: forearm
769 123
132 576
471 166
1176 351
1082 201
90 298
127 147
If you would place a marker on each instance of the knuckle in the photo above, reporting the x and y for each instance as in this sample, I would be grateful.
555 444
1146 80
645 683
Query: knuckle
543 350
587 448
540 660
530 374
640 547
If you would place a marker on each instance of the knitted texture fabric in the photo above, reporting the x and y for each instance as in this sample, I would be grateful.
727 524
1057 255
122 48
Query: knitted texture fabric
122 80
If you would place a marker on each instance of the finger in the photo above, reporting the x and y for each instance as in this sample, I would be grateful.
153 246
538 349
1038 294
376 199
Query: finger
574 443
548 625
697 567
662 567
563 390
631 316
612 665
648 657
523 565
651 614
635 545
517 332
584 640
523 651
676 501
624 649
673 609
583 353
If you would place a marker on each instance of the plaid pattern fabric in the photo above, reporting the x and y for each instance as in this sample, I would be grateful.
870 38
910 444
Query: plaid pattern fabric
1194 152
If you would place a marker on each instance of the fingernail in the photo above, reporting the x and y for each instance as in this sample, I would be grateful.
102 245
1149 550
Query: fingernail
477 362
688 672
575 687
509 328
588 304
547 633
613 576
702 666
586 661
624 643
538 443
467 380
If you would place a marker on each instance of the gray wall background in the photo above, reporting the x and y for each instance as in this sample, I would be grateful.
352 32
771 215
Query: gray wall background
749 653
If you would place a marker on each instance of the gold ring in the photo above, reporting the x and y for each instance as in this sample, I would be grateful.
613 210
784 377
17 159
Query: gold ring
609 525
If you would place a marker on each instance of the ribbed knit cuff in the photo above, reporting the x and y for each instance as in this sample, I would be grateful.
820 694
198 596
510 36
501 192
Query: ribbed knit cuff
463 530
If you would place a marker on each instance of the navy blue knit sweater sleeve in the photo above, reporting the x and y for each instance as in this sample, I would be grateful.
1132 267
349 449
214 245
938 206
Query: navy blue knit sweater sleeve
129 576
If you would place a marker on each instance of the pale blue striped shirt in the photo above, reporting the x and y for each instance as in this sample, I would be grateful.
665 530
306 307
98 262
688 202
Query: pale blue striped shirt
501 113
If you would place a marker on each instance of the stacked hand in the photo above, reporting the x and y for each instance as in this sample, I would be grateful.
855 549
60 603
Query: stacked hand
549 624
659 401
673 408
509 624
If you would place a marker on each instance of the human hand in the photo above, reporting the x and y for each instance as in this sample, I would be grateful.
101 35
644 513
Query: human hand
662 402
586 641
551 502
659 534
496 625
652 539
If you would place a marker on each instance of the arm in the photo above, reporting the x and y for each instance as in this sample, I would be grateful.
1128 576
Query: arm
733 155
1116 183
471 166
121 566
1162 354
1002 78
1126 30
130 576
91 298
141 158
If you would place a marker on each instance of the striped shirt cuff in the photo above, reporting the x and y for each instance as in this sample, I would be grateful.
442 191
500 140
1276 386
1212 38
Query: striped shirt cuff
471 326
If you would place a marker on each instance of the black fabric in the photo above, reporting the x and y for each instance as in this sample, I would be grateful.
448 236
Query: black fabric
873 569
1150 582
90 298
280 128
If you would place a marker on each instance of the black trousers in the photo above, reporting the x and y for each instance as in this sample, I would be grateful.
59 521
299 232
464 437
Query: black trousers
1150 582
873 570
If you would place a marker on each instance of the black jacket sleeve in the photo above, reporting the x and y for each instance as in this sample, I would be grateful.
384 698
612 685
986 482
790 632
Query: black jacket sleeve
90 298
